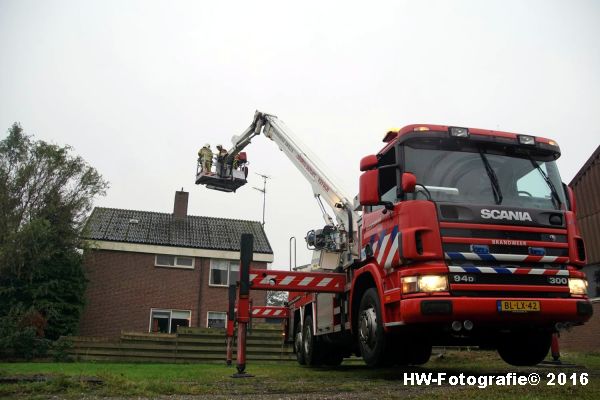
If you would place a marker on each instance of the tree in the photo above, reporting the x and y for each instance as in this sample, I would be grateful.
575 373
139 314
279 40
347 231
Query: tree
45 194
276 298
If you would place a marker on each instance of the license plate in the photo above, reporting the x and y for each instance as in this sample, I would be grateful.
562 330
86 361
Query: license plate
522 306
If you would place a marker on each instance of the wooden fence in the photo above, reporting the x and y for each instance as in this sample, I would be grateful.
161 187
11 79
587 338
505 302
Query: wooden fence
264 343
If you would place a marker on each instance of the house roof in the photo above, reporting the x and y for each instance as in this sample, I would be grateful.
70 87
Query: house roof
585 167
145 227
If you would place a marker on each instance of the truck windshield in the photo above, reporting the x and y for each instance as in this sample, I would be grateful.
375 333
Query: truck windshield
463 177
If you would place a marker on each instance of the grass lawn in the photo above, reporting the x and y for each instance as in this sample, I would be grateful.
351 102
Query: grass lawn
289 380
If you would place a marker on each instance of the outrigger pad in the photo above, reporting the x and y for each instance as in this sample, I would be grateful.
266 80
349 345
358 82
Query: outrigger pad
242 375
214 182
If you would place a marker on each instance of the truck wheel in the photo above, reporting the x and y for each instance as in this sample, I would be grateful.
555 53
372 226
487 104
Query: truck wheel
298 348
407 349
312 355
371 337
524 348
419 353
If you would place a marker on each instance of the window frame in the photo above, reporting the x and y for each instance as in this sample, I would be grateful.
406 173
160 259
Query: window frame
210 272
176 265
510 171
170 311
216 312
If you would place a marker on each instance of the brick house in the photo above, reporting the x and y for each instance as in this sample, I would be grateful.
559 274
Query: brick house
586 185
153 272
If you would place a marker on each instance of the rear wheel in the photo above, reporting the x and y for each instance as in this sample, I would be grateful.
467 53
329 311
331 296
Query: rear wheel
524 348
310 344
371 336
298 348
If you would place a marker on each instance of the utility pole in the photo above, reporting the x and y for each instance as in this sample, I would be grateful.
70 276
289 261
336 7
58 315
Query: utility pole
264 192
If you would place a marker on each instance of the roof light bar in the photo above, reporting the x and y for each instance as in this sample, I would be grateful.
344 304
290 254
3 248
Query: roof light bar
456 131
527 140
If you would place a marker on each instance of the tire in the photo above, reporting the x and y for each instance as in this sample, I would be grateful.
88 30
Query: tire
310 344
407 349
419 352
524 348
298 347
371 336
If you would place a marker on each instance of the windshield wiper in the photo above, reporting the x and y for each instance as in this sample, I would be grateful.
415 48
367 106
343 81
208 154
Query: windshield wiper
555 198
493 178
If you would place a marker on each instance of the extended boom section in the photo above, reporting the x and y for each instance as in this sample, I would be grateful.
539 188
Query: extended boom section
336 244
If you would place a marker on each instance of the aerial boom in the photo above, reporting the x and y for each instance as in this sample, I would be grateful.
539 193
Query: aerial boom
324 189
322 186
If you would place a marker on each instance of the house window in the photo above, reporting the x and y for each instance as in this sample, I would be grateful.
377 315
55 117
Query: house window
215 319
167 321
164 260
224 272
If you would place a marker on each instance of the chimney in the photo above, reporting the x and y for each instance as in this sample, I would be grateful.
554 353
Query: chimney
181 204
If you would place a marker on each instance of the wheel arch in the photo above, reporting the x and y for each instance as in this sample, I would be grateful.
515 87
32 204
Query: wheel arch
296 320
365 278
302 312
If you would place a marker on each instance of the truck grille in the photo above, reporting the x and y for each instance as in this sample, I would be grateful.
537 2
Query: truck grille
502 249
478 280
504 279
504 244
506 234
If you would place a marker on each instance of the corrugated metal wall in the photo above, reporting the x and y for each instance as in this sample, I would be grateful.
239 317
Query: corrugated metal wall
586 186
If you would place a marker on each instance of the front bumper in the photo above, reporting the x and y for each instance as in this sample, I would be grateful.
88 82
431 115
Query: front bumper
444 309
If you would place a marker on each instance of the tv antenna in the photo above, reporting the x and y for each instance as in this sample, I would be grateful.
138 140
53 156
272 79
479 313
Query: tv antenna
264 192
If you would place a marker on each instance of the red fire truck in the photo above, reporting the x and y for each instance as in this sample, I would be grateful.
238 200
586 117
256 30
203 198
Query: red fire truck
458 236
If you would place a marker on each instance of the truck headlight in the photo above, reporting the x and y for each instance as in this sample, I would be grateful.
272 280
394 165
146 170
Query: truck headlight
433 283
578 286
410 284
424 283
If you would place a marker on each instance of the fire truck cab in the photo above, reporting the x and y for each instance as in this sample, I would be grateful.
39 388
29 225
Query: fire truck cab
470 238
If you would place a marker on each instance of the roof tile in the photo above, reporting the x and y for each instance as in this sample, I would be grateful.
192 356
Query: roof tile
147 227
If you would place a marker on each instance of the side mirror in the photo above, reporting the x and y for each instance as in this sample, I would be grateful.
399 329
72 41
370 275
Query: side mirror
369 188
368 162
409 181
572 201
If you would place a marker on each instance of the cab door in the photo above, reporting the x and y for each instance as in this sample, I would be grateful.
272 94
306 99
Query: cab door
380 228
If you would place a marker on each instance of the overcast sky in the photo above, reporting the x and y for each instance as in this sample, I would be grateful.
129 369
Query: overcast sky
136 87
